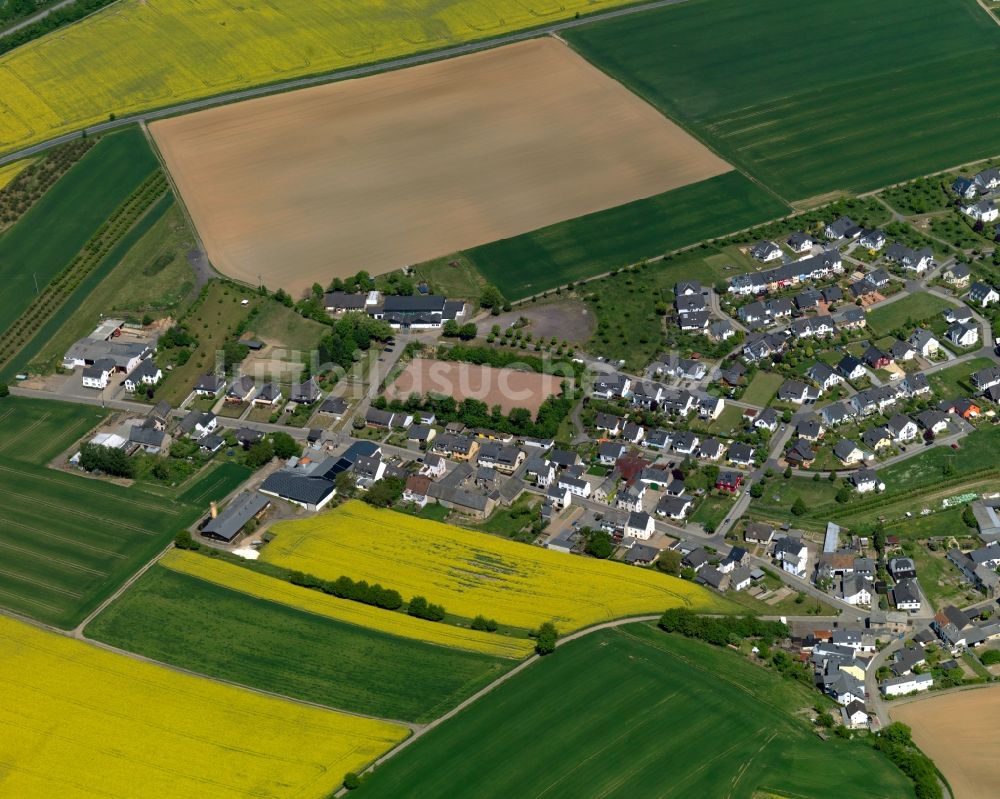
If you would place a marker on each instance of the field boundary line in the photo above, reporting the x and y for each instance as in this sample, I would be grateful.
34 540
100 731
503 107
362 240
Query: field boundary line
52 559
93 516
39 583
333 76
18 436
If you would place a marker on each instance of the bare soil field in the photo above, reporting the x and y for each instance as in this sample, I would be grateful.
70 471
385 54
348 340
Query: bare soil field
508 388
402 167
958 732
570 320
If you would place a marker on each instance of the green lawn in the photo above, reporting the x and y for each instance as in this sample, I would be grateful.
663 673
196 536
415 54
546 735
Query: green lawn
910 310
636 713
453 276
68 541
282 327
206 628
53 231
712 510
212 320
590 245
780 494
953 381
756 80
762 388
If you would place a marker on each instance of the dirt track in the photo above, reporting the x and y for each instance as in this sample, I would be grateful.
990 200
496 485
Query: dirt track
508 388
404 166
958 732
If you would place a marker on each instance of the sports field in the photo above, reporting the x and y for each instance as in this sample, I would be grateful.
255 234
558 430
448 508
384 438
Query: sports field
665 717
958 732
596 243
67 541
263 586
115 61
52 232
212 630
401 167
83 722
814 97
472 573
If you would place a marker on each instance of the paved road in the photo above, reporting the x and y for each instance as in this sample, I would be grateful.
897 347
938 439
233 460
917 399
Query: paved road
336 75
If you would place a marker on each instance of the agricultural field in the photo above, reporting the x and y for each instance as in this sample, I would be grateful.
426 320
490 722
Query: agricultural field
508 388
273 589
54 230
429 160
12 170
582 248
810 131
89 722
913 308
957 732
472 573
229 46
130 282
682 720
209 629
69 541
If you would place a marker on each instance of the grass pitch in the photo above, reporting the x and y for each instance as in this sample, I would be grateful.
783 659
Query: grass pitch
596 243
815 97
188 622
66 541
636 713
83 722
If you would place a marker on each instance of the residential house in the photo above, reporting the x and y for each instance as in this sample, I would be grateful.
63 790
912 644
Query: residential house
147 373
674 507
906 595
797 392
902 428
575 485
767 419
758 533
982 294
765 251
877 438
800 453
856 590
505 458
741 579
958 274
811 429
800 242
902 351
197 424
842 228
306 393
872 238
710 449
792 555
434 467
988 179
848 452
876 358
729 480
865 481
914 385
740 454
933 421
902 568
713 578
963 334
837 413
918 261
608 452
853 318
986 378
924 342
415 490
850 368
241 390
738 557
824 376
608 423
640 525
641 555
965 188
611 386
209 386
721 330
982 211
910 684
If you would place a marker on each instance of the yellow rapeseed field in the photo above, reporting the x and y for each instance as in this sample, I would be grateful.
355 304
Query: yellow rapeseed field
261 586
143 54
11 171
471 573
78 721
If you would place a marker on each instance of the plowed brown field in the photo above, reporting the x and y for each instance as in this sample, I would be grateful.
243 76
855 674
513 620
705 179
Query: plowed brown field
958 732
390 170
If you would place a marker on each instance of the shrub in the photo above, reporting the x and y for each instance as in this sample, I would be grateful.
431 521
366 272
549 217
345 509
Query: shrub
545 638
352 781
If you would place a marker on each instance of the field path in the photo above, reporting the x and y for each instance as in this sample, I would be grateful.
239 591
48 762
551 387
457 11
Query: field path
336 75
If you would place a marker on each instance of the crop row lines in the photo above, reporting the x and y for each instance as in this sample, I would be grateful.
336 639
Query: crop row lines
59 289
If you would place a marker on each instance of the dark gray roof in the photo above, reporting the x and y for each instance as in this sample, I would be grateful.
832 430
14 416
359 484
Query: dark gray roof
298 488
236 514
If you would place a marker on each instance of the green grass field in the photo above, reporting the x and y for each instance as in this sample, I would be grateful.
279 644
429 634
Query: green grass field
913 308
206 628
666 717
282 327
590 245
152 276
68 541
953 381
54 230
758 82
762 388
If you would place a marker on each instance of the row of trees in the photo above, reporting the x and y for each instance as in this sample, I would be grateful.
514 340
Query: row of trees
355 590
896 743
720 630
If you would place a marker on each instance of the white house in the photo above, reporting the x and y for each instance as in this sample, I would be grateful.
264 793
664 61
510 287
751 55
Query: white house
866 480
147 373
640 525
98 375
792 554
982 294
575 485
924 342
856 590
963 334
982 211
909 684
